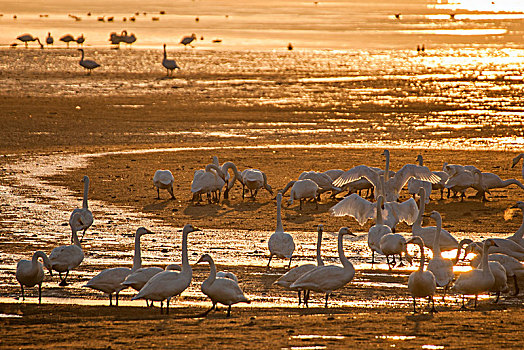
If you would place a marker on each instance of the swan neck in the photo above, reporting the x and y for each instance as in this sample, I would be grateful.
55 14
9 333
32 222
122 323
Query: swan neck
520 231
86 191
459 250
212 273
185 259
34 260
76 241
320 262
436 239
422 207
82 58
137 258
345 262
422 257
485 264
386 173
420 161
380 220
280 228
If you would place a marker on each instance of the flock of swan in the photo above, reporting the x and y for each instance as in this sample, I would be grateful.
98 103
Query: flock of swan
497 258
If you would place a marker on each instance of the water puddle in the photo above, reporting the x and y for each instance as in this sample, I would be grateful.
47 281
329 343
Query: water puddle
396 337
314 336
10 316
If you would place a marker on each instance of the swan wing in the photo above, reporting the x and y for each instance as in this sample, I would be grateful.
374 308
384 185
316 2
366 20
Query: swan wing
355 174
164 177
139 278
324 279
164 285
354 205
406 211
442 270
225 291
292 275
66 257
411 170
109 280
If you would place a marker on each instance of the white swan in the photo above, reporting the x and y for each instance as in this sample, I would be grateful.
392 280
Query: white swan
377 231
324 182
49 40
29 273
26 38
163 179
516 160
476 281
169 64
302 190
502 266
67 257
111 280
188 39
168 284
219 289
421 283
508 247
389 187
514 268
394 243
447 241
207 181
85 218
138 279
463 179
292 275
442 268
253 180
414 185
363 210
280 243
326 279
227 274
67 39
334 173
517 237
89 65
229 184
80 40
492 181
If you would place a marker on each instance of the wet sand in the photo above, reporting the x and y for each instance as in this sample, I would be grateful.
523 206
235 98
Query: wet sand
372 311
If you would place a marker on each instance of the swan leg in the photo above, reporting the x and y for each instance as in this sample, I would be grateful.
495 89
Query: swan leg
463 307
110 299
22 287
372 257
254 195
269 262
414 305
243 192
387 261
147 303
327 296
394 261
63 282
204 314
444 295
288 266
516 285
400 264
476 297
170 190
498 296
167 306
161 307
299 299
116 297
40 293
432 304
229 311
157 193
306 298
300 206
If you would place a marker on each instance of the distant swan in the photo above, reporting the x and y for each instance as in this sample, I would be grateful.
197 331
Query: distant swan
49 40
188 39
169 64
85 218
421 283
67 39
26 38
89 65
168 284
67 257
29 273
163 179
476 281
280 243
80 40
326 279
110 280
220 290
292 275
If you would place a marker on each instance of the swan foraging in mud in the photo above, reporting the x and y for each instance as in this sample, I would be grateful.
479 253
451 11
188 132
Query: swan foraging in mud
302 190
253 180
89 65
163 179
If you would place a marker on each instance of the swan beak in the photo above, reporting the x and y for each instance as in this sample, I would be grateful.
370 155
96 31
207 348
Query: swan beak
513 165
495 244
200 260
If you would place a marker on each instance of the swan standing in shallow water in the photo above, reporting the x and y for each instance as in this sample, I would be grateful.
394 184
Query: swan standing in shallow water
85 218
326 279
67 39
447 241
111 280
89 65
26 38
517 237
421 283
169 64
292 275
280 243
67 257
394 243
442 268
221 290
168 284
163 179
476 281
29 273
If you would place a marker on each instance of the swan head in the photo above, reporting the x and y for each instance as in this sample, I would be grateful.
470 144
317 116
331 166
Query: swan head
386 153
189 228
516 160
422 192
490 243
345 231
205 257
142 231
518 205
85 178
173 267
320 228
420 158
416 240
435 215
473 247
